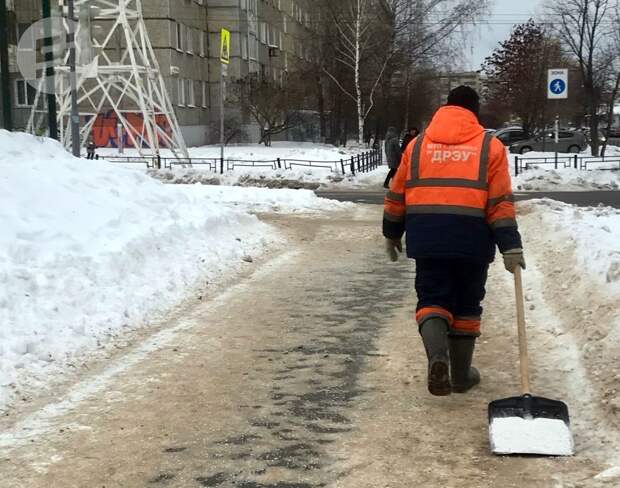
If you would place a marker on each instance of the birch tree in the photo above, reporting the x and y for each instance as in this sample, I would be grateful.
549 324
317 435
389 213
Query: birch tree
372 34
362 26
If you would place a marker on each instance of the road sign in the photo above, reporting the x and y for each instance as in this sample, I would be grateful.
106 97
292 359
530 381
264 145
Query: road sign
225 47
557 84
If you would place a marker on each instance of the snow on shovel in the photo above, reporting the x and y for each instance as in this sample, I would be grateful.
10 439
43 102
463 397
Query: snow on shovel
527 424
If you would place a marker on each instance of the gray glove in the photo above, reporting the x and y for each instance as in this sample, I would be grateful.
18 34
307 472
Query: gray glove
391 246
513 258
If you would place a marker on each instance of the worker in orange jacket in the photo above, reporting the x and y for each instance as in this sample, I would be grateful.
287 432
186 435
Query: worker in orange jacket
452 195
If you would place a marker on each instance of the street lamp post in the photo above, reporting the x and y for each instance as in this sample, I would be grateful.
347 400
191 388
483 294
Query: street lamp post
75 117
49 72
5 80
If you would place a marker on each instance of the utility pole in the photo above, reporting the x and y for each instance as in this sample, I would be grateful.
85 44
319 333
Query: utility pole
49 72
75 116
224 62
5 79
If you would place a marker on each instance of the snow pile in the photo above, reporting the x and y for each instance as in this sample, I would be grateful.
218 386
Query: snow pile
593 232
566 179
297 178
88 249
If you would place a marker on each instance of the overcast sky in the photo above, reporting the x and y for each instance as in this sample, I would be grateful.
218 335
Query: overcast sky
504 14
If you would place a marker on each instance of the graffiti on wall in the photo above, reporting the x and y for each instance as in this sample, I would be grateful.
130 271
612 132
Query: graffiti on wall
105 131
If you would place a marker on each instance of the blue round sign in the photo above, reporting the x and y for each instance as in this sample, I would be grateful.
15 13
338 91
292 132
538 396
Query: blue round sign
557 86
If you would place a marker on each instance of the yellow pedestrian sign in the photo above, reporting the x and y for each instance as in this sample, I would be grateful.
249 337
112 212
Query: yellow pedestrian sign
225 47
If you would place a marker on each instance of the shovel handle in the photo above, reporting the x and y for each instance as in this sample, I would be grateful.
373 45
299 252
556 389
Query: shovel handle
523 356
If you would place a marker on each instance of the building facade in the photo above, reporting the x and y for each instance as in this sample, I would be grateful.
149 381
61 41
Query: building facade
266 41
449 81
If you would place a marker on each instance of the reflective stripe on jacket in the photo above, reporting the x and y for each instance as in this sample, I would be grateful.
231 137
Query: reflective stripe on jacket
452 192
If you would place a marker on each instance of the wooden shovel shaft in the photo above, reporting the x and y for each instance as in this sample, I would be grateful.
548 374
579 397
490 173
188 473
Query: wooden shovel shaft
523 356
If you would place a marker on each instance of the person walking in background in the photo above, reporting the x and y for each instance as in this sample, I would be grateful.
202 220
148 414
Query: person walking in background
392 154
452 195
90 149
409 136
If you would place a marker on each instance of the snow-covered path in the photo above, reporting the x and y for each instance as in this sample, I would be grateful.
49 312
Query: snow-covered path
309 373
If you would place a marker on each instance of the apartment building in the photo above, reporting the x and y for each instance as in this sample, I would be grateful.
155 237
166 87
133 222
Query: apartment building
448 81
266 40
21 15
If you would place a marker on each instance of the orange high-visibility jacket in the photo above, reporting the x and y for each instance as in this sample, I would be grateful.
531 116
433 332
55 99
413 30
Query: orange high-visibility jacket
452 193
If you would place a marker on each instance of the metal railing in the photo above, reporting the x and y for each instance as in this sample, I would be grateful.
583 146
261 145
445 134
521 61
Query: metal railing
360 163
576 161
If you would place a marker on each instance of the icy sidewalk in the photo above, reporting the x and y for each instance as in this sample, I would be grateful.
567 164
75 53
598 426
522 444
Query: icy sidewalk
88 250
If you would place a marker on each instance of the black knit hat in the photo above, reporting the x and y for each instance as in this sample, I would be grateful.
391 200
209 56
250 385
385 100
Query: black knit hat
466 97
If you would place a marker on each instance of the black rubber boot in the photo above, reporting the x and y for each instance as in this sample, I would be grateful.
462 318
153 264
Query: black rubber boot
434 334
464 376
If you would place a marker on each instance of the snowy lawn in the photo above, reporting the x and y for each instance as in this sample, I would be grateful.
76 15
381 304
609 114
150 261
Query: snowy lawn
258 152
325 173
89 249
544 177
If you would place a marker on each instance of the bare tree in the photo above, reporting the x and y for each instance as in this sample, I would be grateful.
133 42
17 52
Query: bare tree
362 26
272 107
614 66
586 26
424 44
378 39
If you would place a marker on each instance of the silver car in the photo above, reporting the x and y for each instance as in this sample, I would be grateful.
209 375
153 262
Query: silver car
568 142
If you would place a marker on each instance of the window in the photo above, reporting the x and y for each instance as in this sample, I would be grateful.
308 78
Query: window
263 32
179 36
244 48
253 48
21 29
191 94
204 94
203 44
25 93
190 39
181 92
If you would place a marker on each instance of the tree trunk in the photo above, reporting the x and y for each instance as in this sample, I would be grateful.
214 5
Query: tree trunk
321 106
610 112
358 87
594 142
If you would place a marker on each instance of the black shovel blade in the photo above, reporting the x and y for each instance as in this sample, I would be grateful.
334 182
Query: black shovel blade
530 425
528 406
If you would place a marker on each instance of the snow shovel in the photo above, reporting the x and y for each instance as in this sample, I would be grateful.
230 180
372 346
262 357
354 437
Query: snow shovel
528 424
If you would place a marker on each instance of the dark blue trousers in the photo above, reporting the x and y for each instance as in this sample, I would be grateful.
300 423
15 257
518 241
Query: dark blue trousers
452 289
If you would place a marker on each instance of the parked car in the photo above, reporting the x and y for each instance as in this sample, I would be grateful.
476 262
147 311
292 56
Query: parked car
611 136
510 135
568 142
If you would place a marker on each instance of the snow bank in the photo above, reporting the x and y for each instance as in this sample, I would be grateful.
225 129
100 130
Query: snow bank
566 179
88 249
305 178
594 232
